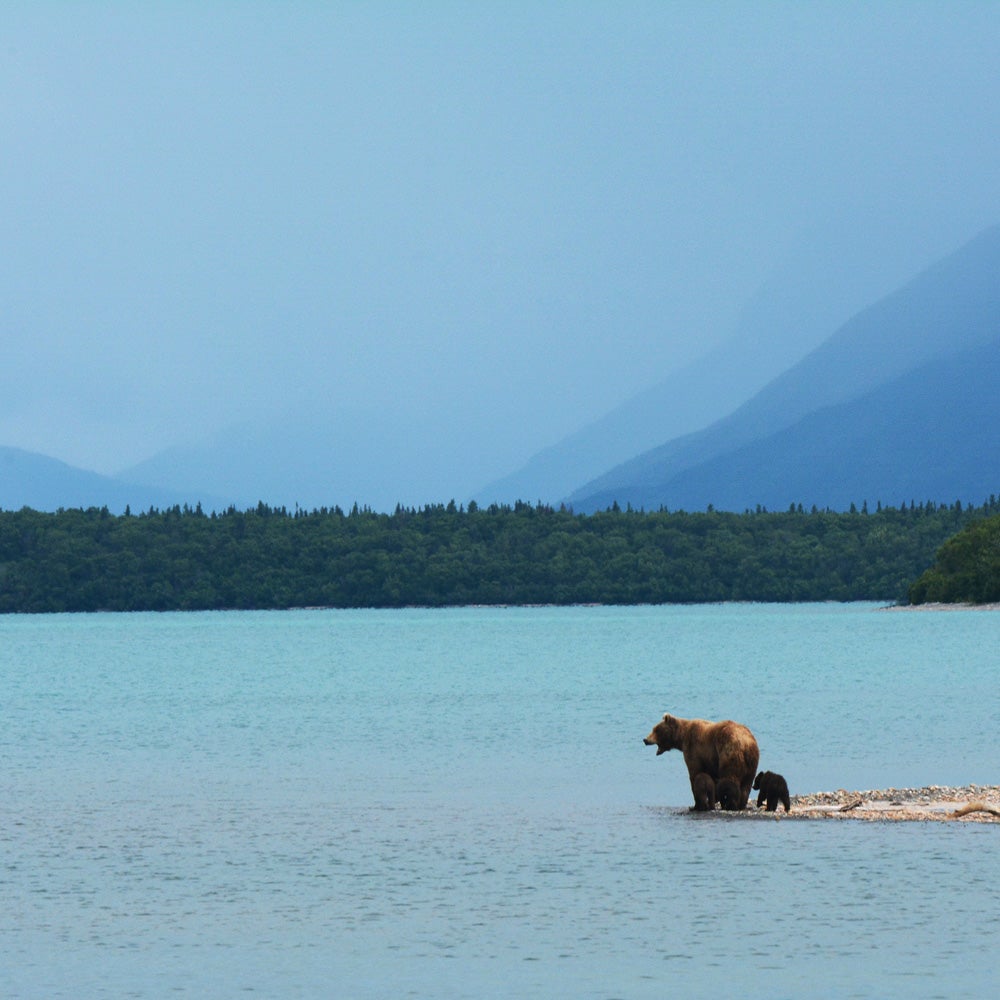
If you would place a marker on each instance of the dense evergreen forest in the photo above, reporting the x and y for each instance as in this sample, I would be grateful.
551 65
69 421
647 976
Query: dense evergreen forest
181 558
966 569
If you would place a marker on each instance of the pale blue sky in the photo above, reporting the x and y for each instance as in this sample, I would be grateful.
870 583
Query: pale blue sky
514 215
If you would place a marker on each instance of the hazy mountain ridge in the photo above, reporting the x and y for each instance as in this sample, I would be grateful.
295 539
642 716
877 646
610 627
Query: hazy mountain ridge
886 446
28 479
342 457
950 307
321 459
828 275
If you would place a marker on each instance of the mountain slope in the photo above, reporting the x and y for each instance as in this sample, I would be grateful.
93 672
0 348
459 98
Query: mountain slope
834 269
927 435
950 307
310 459
28 479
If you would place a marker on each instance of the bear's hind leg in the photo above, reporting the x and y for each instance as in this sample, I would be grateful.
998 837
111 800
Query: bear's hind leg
703 788
730 795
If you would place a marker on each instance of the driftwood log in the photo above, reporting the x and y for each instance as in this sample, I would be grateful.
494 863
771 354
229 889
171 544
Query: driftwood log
972 807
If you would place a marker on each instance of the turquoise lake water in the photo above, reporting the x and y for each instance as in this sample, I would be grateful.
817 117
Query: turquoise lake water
457 803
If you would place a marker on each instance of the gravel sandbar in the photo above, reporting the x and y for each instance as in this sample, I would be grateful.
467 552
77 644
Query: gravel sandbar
931 803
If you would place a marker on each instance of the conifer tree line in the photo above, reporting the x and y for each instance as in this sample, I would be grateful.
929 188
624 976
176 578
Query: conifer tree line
182 558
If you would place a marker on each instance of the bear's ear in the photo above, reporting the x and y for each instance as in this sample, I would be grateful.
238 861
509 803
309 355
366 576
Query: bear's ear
666 717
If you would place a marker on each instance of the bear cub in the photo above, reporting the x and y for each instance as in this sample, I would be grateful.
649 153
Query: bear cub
773 789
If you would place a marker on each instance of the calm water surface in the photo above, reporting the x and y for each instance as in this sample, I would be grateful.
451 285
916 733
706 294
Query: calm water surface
458 804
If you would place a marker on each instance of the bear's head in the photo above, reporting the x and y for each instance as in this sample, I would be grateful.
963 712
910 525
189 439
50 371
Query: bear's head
762 780
663 736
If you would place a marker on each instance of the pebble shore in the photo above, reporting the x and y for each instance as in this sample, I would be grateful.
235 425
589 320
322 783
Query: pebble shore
930 803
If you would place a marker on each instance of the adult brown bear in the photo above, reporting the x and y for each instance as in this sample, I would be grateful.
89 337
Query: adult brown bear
722 750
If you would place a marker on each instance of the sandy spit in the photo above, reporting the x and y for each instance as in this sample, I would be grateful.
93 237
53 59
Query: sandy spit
942 607
933 803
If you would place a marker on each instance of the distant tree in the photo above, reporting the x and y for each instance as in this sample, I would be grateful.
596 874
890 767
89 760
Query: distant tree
966 568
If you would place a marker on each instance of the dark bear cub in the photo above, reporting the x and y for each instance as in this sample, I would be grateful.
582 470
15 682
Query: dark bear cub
704 792
727 791
773 789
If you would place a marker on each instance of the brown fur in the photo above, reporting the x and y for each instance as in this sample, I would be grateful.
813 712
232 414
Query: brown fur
719 749
773 789
704 792
727 792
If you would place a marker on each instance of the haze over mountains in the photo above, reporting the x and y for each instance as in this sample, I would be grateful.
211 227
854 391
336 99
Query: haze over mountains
894 403
927 435
892 352
830 272
28 479
327 254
